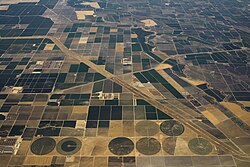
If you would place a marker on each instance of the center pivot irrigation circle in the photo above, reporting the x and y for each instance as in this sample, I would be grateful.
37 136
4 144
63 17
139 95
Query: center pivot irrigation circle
148 146
69 146
121 146
172 128
43 146
200 146
147 128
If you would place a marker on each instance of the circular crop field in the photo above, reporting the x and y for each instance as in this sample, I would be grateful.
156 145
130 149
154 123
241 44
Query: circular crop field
121 146
43 146
200 146
147 128
148 146
172 128
69 146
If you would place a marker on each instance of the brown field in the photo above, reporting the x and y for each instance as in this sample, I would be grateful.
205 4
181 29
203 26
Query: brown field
149 22
238 111
92 4
41 160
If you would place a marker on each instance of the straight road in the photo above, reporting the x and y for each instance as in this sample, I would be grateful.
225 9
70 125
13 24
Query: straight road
238 153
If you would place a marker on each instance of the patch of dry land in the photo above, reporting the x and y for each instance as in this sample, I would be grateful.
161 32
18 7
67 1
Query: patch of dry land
214 115
113 30
163 66
238 111
42 160
81 15
83 40
119 47
93 29
245 103
92 4
5 7
16 1
133 35
149 22
49 47
193 82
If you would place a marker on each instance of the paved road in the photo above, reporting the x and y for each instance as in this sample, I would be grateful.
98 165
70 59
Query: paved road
238 153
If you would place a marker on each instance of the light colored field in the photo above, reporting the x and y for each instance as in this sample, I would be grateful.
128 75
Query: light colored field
24 147
4 7
119 47
214 115
100 161
41 160
81 15
178 87
163 66
113 30
80 109
83 40
128 128
245 103
80 123
115 128
49 47
39 103
193 82
16 1
182 147
93 29
25 103
86 161
149 22
238 111
211 117
133 35
92 4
